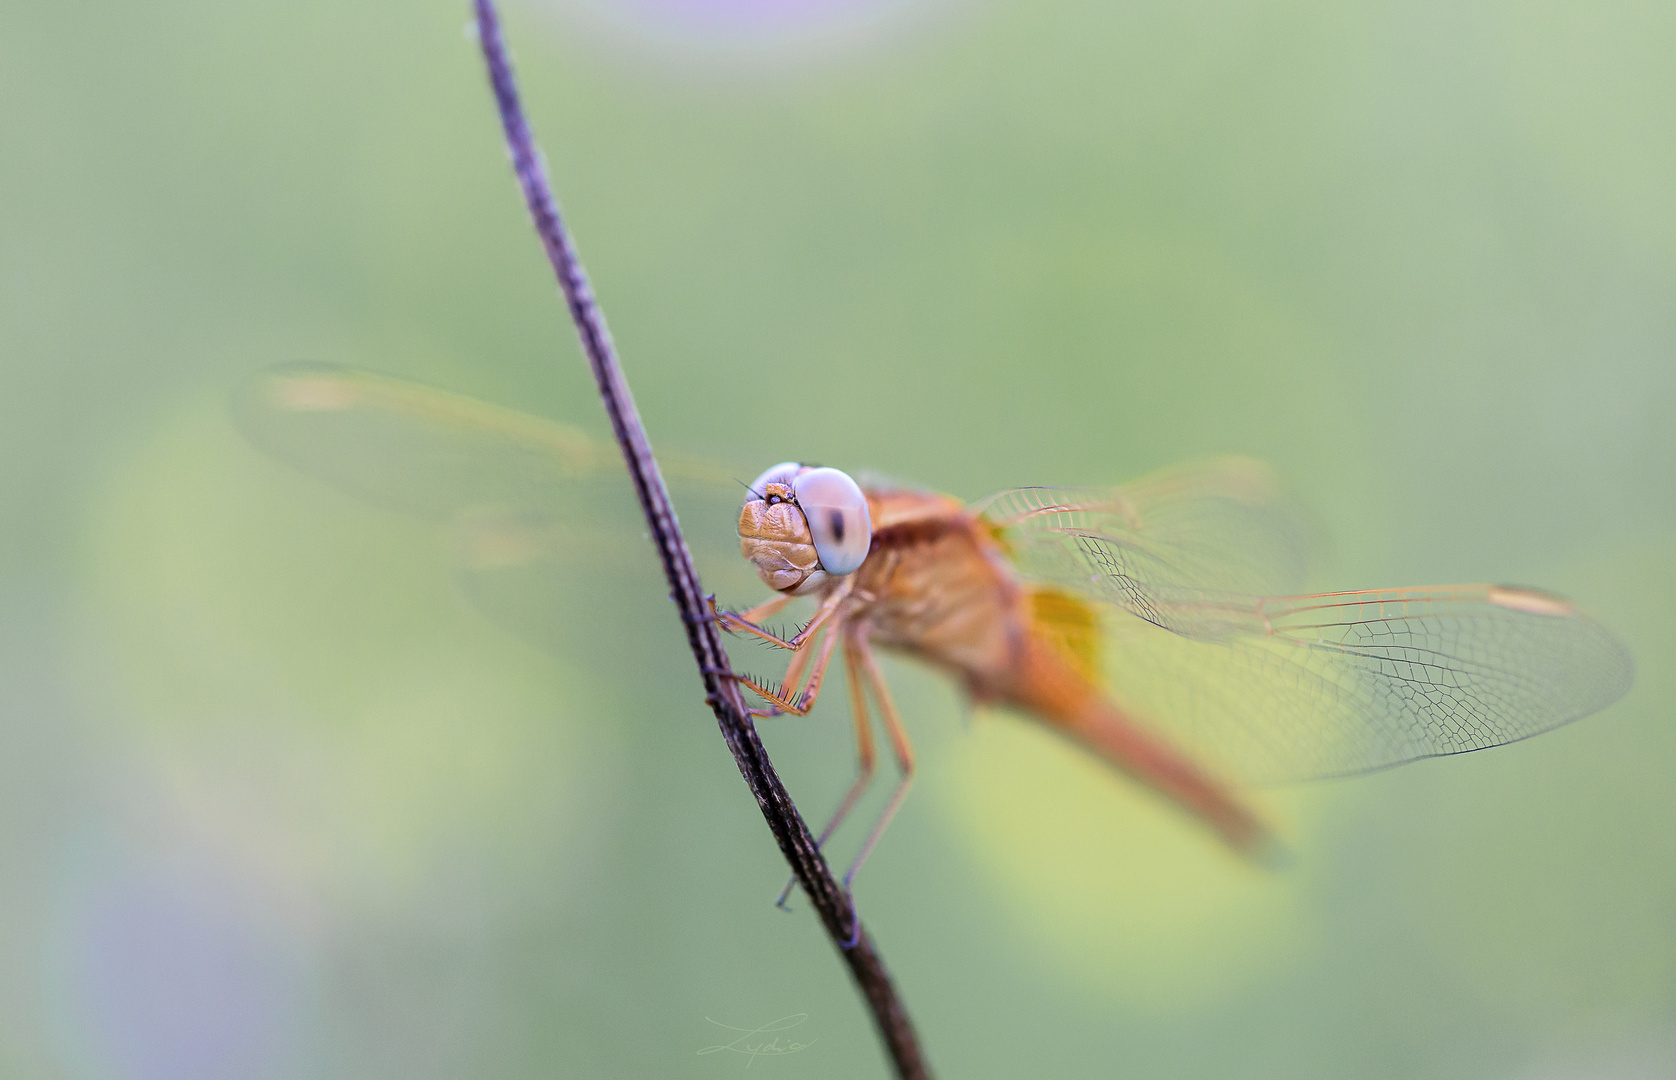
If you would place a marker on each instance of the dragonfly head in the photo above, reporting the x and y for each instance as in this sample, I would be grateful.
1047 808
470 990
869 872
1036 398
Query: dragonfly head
802 524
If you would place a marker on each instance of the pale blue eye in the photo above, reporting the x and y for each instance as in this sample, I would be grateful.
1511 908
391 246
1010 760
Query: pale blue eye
836 510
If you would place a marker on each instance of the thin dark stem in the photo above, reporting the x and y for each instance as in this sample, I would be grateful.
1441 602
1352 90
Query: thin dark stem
721 689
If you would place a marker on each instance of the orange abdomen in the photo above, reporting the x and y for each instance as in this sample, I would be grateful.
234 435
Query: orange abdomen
1047 684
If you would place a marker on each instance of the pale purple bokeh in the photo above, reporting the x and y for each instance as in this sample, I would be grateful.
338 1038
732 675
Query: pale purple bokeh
165 978
748 16
753 24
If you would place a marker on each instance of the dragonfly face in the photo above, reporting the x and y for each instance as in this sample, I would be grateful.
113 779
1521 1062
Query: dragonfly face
802 525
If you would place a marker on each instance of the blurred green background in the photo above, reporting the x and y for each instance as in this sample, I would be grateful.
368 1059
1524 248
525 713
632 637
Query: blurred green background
276 801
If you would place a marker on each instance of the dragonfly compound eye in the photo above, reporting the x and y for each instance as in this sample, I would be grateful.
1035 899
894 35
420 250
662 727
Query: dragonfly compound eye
779 474
838 518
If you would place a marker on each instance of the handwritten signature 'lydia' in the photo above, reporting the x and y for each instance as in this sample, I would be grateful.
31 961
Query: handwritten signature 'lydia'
751 1041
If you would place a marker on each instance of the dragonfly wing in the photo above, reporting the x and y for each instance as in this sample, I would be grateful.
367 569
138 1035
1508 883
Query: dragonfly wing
535 507
1217 527
1303 687
433 453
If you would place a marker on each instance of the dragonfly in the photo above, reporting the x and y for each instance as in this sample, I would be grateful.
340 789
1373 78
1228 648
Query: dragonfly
1156 623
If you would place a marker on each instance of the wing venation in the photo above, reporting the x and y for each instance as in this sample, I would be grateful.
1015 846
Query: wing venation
1274 687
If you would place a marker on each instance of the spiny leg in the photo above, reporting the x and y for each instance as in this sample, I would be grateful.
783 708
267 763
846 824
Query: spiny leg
800 703
746 623
904 757
799 662
794 672
863 750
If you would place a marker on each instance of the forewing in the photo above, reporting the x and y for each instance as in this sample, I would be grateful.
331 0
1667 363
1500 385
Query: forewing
1302 687
536 509
1155 545
436 454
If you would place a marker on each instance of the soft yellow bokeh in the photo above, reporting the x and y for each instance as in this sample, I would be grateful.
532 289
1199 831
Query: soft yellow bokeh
1123 892
412 728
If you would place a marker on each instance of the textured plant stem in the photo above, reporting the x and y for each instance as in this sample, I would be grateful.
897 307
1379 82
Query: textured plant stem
721 689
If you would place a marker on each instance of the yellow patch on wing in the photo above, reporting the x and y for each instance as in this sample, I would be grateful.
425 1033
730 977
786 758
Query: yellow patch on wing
1071 625
998 533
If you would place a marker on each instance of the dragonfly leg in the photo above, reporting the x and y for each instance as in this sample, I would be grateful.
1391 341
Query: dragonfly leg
767 609
899 742
746 623
794 672
863 751
800 703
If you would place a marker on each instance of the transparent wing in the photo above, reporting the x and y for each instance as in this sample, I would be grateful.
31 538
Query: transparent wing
1218 526
537 510
1291 688
437 454
1296 687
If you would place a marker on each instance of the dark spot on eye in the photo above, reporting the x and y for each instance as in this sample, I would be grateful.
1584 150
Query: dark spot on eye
838 526
773 499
